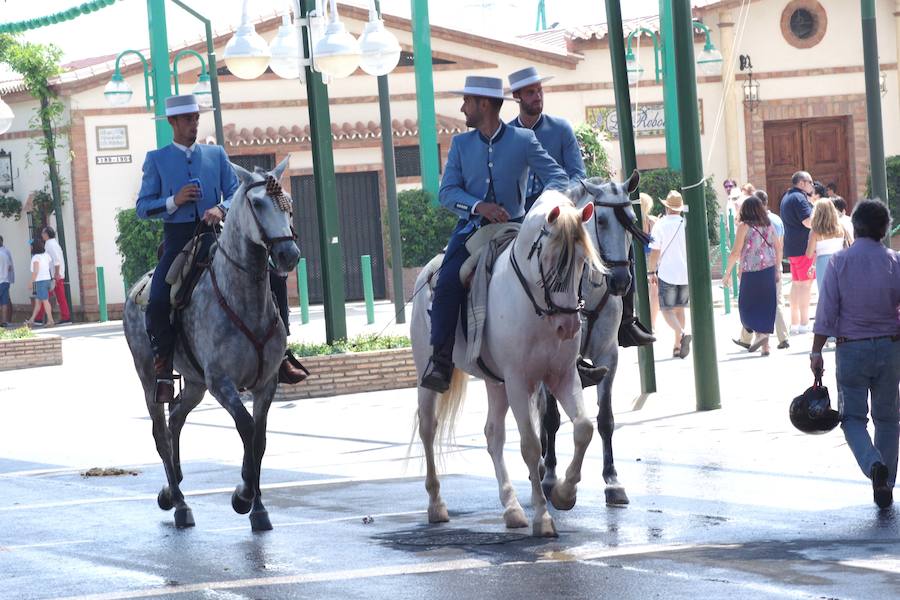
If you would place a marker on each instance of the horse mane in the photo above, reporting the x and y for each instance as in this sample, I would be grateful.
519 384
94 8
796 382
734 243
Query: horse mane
568 233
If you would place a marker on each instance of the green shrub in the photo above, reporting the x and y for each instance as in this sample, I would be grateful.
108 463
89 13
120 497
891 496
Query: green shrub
658 183
596 160
893 187
424 229
137 242
16 334
10 207
361 343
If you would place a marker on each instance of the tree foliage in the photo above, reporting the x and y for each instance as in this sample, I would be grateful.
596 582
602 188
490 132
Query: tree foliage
892 164
658 183
137 242
424 229
596 159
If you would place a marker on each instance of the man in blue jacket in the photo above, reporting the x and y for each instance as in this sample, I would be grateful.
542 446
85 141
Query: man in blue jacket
484 182
558 139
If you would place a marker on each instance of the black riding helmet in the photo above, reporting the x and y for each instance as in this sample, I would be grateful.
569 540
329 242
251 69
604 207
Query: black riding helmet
811 411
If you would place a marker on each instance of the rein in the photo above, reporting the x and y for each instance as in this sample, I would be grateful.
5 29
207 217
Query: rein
552 308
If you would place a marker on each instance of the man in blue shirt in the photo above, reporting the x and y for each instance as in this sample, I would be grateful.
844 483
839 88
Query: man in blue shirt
796 214
558 139
483 182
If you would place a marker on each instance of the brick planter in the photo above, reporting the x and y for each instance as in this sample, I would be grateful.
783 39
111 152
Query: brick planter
353 372
40 351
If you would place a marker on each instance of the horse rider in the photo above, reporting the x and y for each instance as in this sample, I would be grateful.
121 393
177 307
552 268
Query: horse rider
483 182
558 139
189 186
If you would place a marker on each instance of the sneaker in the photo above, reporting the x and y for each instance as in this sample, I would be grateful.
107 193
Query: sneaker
783 345
881 491
64 322
795 330
804 329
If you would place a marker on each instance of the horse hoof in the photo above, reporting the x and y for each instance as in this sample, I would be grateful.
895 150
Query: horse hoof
544 528
184 518
164 499
438 514
240 505
559 502
514 517
259 521
547 484
616 496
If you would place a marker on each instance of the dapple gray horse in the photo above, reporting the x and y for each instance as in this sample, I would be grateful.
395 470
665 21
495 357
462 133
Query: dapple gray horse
234 336
611 231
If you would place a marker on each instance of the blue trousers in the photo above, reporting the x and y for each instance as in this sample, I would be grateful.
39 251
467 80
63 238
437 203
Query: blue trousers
449 292
864 368
159 327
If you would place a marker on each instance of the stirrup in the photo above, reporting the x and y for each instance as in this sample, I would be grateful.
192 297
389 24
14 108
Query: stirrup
589 374
176 398
437 375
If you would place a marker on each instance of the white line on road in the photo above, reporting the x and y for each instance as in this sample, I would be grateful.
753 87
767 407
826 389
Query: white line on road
322 521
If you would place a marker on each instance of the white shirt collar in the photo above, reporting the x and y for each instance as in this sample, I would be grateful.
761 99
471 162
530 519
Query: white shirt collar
499 127
185 148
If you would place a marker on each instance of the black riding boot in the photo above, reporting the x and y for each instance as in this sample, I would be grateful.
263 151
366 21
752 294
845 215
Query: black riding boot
440 368
631 331
165 379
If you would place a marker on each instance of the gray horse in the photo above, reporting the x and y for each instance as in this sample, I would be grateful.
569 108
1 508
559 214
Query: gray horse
611 231
231 339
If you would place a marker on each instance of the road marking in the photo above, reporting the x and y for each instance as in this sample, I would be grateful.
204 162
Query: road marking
322 521
43 545
885 564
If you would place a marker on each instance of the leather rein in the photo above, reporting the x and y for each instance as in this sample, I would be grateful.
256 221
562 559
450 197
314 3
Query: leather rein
552 308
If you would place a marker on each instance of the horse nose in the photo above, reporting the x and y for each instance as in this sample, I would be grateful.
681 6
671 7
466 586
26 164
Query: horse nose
286 255
620 280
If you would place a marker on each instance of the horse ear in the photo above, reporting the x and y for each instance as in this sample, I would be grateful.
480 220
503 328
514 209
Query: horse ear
632 183
554 214
279 170
587 212
243 174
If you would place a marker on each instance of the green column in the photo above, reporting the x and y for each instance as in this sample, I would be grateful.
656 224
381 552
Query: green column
723 251
365 264
428 150
326 198
303 291
629 163
873 105
390 182
101 295
706 370
159 61
670 97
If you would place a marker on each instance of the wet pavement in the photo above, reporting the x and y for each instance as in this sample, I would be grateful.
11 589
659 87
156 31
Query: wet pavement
731 503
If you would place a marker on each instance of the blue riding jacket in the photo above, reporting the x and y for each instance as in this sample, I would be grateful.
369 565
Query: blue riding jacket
170 168
558 139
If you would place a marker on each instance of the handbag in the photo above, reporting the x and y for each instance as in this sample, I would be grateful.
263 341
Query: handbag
811 411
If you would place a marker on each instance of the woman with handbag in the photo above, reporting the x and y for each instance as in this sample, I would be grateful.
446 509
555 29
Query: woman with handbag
758 249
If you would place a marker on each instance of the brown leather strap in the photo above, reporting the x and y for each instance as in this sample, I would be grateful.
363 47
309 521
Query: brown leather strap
258 344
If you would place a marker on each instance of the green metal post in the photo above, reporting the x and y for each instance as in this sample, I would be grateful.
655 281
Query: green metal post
734 278
671 100
159 59
101 295
428 147
706 370
873 105
629 163
326 197
390 182
723 250
303 291
365 263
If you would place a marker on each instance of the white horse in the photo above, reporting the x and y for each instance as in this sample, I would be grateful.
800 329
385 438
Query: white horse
531 337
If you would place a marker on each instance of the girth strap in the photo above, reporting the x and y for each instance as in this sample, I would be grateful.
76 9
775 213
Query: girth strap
258 344
592 316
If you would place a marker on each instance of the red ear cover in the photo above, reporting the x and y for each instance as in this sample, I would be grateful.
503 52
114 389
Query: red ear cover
554 214
587 212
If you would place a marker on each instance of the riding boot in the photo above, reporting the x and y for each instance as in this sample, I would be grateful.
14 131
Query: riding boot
440 368
291 371
631 331
165 379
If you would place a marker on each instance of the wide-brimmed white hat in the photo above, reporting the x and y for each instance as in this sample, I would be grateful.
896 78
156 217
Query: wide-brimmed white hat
524 78
485 87
182 104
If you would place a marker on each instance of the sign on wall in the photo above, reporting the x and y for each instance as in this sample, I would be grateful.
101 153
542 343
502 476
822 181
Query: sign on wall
113 159
112 137
649 120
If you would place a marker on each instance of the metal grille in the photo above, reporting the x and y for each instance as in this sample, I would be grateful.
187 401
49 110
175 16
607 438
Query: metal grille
248 161
407 161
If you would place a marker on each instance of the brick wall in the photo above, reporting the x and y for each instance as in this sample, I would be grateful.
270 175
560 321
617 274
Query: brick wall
39 351
351 373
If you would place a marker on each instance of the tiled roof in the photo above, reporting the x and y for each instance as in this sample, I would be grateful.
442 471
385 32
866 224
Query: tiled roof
343 131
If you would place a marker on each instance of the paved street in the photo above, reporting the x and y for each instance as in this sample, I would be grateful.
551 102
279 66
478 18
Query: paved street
728 503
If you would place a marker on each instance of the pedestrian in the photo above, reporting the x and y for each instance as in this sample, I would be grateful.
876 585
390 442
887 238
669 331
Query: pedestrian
747 190
781 331
859 306
558 138
826 237
734 203
649 220
58 272
483 182
40 279
7 276
831 190
819 192
796 213
668 269
729 184
841 205
757 248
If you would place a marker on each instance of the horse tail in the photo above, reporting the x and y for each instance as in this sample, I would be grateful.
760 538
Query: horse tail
450 404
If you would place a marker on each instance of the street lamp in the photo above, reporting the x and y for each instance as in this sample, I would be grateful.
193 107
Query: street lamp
287 55
117 92
337 53
709 61
379 47
750 86
247 55
203 89
6 116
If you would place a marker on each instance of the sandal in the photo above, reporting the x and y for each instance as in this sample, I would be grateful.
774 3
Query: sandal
676 352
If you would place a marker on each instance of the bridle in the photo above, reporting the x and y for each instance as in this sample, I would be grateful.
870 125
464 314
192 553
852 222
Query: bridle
552 308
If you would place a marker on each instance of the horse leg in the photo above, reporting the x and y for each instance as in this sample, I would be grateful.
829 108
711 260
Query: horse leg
519 400
262 400
191 396
570 397
549 427
495 433
615 493
437 510
228 396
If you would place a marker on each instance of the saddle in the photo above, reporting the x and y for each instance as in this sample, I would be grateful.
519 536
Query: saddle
480 241
183 276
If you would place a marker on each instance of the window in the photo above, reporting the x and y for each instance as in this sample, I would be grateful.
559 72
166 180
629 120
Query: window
406 159
803 23
248 161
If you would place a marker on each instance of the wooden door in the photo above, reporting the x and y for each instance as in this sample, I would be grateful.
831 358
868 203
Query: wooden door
818 146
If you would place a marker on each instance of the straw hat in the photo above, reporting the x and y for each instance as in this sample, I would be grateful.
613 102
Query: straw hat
674 201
